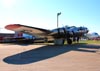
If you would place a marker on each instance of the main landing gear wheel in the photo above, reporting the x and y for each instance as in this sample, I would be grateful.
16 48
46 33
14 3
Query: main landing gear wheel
69 41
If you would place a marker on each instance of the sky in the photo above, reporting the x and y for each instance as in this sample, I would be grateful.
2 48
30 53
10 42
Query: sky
43 13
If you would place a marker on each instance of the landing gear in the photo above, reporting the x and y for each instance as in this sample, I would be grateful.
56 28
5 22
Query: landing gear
69 41
78 39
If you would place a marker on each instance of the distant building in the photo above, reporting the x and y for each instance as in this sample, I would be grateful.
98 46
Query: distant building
13 37
7 34
3 36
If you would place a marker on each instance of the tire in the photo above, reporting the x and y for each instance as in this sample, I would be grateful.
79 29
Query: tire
69 41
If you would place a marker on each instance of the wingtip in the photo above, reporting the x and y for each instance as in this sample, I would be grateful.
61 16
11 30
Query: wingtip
12 26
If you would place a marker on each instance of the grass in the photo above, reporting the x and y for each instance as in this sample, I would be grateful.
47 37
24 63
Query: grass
87 42
90 41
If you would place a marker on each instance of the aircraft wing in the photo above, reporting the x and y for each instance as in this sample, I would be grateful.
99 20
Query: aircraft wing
29 30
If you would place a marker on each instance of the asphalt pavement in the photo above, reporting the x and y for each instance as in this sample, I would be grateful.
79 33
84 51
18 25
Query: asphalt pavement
25 57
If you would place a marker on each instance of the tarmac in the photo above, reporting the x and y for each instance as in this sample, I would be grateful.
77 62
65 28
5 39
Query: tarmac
75 57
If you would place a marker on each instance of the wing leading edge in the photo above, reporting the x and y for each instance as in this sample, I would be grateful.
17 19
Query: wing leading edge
29 30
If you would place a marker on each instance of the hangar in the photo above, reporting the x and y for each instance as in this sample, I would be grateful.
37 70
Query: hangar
4 36
14 37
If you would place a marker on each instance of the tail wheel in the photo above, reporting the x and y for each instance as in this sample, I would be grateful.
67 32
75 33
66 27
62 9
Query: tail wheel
69 41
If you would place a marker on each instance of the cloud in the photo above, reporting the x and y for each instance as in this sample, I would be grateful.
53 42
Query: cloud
8 3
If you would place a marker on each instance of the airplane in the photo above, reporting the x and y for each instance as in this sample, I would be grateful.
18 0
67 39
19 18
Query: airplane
57 35
93 36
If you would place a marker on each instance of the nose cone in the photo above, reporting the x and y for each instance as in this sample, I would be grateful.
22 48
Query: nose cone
86 30
83 29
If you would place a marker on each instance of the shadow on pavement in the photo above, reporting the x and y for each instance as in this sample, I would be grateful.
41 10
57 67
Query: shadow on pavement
46 52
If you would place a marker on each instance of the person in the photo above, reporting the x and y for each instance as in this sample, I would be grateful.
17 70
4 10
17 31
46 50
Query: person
78 39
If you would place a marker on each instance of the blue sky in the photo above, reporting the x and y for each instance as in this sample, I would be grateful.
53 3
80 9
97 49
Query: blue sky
43 13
